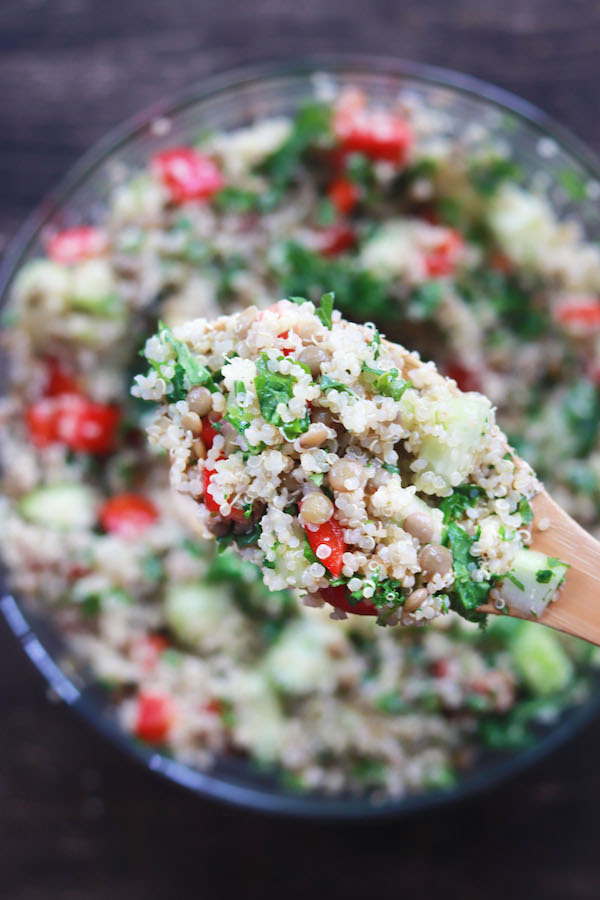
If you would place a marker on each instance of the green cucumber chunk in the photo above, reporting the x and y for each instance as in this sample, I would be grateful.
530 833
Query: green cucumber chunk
531 582
63 506
540 660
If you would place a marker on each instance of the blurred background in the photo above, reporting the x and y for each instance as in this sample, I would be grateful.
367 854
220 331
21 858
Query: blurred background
76 819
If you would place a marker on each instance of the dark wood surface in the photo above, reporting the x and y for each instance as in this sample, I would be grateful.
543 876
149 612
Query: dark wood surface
76 819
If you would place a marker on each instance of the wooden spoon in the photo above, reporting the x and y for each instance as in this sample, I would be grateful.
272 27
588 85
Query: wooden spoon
576 609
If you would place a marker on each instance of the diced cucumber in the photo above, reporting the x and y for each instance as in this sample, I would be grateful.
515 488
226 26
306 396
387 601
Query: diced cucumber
300 661
452 453
530 584
64 506
43 277
258 718
196 612
92 288
540 660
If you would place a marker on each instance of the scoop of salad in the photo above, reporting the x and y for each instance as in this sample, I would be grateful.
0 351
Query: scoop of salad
342 465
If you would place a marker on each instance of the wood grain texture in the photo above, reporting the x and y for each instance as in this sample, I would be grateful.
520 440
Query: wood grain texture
77 821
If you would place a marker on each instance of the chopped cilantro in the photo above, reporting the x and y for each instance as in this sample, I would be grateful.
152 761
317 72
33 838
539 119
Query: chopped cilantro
543 576
487 175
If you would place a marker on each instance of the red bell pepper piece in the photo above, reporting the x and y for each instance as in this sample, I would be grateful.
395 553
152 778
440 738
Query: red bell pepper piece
338 597
127 515
155 716
187 174
73 245
330 535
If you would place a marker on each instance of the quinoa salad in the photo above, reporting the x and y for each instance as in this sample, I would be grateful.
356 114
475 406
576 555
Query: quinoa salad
342 466
438 242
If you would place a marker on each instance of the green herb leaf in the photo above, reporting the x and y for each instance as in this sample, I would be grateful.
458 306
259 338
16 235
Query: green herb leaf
573 184
425 300
463 497
325 310
188 371
543 576
311 125
525 510
234 413
327 384
467 595
273 388
487 175
317 478
385 382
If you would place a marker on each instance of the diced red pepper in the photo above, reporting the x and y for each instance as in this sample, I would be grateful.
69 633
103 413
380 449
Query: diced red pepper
338 597
581 313
335 239
127 515
187 174
331 535
155 716
466 379
378 133
76 244
344 195
442 259
208 432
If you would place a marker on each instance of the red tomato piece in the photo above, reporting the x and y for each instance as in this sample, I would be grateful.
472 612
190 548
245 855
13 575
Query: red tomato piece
147 650
284 336
208 432
209 502
127 515
155 716
40 418
579 313
85 426
187 174
236 515
466 379
344 195
378 133
443 258
76 244
331 535
338 597
58 380
335 239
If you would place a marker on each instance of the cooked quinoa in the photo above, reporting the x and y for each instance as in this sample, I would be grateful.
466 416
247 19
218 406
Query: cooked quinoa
339 463
428 231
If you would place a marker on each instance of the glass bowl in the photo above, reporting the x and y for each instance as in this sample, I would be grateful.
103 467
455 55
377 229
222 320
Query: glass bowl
545 152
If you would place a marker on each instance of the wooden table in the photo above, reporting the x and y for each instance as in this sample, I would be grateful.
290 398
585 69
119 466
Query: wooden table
79 822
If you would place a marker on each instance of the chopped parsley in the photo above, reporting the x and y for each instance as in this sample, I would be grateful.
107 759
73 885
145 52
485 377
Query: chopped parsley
487 175
325 310
425 300
188 371
385 382
273 388
463 496
234 413
328 384
311 126
468 594
525 510
543 576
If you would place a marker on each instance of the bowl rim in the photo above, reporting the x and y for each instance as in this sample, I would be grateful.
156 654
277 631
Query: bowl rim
194 780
